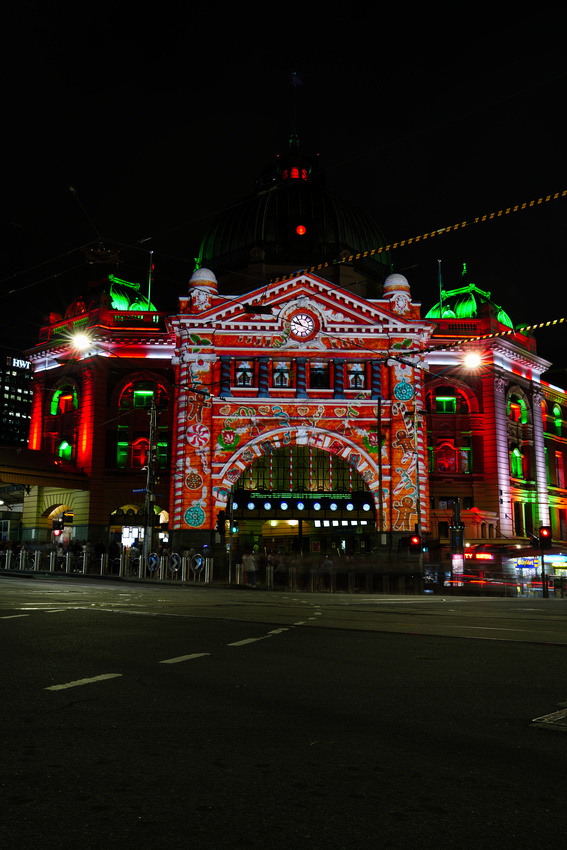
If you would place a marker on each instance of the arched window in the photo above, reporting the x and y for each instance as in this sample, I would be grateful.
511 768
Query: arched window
65 450
557 419
132 437
517 409
139 394
446 399
64 399
516 463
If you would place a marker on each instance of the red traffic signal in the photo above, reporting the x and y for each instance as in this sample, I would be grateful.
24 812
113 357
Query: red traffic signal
415 543
545 538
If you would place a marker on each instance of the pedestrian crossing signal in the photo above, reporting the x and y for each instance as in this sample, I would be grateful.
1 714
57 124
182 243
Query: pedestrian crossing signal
545 538
415 543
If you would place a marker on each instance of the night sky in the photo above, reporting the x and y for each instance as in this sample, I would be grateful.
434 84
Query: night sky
160 121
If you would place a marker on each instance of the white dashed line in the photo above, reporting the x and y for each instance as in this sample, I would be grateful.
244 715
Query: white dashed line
184 658
247 640
14 616
78 682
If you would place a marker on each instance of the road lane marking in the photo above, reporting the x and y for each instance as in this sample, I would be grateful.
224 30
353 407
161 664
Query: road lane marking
278 631
184 658
14 616
78 682
247 640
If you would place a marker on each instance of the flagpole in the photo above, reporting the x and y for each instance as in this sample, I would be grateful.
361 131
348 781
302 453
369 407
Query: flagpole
440 290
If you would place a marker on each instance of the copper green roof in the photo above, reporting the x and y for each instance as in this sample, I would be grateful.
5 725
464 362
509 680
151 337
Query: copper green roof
464 303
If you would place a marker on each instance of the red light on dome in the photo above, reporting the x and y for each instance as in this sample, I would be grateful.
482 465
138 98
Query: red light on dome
301 230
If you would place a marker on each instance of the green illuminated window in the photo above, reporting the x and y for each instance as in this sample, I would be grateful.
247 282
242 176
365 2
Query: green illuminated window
516 463
65 450
557 419
122 455
445 404
64 399
139 394
161 455
517 410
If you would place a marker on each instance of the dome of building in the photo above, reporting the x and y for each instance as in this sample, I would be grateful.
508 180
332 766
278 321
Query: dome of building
113 292
293 222
467 302
203 276
396 283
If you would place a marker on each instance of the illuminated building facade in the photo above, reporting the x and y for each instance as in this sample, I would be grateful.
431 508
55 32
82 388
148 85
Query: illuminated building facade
496 431
90 408
284 408
319 408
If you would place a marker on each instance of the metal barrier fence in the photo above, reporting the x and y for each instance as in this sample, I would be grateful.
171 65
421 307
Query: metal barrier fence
166 568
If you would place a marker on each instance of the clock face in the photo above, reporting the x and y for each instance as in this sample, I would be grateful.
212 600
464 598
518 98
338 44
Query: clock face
302 325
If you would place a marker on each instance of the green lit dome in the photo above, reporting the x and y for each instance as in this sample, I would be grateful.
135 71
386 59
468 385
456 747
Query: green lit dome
116 293
466 302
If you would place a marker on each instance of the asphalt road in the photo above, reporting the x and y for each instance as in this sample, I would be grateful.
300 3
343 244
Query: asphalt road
148 716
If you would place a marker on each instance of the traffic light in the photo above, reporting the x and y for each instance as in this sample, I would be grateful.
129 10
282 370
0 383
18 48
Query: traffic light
415 543
545 537
221 523
234 527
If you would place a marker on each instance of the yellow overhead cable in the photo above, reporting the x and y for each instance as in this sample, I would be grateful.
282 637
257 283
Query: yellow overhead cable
424 236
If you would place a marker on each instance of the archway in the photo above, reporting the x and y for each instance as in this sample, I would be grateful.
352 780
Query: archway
304 500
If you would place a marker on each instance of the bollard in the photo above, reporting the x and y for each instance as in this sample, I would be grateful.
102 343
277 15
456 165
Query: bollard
104 564
85 563
312 580
37 560
269 577
239 574
142 566
208 570
8 559
52 560
292 573
351 582
68 562
122 567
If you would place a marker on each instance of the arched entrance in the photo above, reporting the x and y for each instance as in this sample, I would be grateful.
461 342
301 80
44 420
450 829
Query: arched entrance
300 499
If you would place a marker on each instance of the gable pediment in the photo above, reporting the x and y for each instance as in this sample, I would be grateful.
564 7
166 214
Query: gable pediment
338 310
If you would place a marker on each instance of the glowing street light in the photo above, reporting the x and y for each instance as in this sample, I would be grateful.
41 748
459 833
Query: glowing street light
472 360
81 341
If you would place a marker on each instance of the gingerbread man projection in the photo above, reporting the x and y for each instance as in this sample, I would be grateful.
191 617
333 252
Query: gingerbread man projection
404 441
405 509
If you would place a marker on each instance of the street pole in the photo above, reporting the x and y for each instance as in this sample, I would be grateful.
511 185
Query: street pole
150 482
418 496
544 587
230 516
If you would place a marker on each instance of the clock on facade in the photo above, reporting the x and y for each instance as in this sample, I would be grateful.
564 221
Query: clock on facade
302 325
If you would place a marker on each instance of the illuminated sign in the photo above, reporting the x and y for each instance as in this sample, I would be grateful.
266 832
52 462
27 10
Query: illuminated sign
479 556
18 363
458 564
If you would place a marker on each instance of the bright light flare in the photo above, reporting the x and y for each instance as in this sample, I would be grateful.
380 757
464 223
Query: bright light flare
472 360
81 341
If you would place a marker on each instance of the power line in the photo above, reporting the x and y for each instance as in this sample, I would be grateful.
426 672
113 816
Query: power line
415 239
